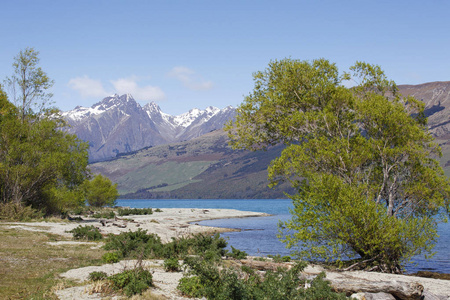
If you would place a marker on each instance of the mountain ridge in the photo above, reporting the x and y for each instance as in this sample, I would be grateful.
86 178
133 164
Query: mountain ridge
118 125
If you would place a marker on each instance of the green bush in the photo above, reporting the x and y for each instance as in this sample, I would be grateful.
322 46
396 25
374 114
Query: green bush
226 283
158 210
171 265
134 211
78 210
139 243
110 257
96 276
17 212
191 287
135 243
132 282
89 233
279 259
104 215
237 254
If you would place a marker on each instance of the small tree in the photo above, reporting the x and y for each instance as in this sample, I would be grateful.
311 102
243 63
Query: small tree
29 84
360 158
100 191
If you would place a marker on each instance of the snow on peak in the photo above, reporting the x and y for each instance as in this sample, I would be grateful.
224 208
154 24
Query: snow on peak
126 102
106 104
186 119
152 107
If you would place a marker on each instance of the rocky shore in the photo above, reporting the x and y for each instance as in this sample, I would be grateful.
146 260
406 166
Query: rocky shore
173 223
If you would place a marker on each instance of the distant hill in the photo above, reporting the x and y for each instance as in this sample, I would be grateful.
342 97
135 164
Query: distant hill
436 96
118 125
204 167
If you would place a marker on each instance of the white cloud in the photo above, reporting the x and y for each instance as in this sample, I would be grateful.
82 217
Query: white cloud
130 86
87 87
190 79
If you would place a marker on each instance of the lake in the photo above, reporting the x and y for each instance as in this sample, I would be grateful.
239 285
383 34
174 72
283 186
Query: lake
258 236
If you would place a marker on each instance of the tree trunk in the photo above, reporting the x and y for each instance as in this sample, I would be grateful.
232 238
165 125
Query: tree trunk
401 290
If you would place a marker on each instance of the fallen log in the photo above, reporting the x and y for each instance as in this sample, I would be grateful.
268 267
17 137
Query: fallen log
264 265
120 225
399 289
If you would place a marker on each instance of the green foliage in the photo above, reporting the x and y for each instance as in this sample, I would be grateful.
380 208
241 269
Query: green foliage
87 232
40 164
100 191
96 276
171 265
132 282
360 160
110 257
104 215
28 84
134 243
134 211
158 210
140 244
191 287
279 259
11 211
236 253
225 283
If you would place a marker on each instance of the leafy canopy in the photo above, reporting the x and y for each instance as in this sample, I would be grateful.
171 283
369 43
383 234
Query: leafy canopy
100 191
41 165
360 158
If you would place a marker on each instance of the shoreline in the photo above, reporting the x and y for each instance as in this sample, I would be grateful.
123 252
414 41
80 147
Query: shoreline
178 222
168 224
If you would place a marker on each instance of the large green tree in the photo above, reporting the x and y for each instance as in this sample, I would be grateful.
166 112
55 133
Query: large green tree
360 158
40 164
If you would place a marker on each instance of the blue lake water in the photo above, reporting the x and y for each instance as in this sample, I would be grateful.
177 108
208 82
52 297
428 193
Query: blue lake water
258 236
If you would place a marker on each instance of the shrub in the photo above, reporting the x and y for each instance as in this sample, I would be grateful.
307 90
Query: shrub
279 259
104 215
191 287
158 210
78 210
237 254
226 283
135 243
171 265
89 233
96 276
140 244
132 282
110 257
134 211
17 212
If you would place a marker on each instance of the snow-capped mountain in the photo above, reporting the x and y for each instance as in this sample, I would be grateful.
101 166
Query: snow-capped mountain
118 124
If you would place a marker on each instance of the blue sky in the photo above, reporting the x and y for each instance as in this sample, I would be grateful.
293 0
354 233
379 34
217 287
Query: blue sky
186 54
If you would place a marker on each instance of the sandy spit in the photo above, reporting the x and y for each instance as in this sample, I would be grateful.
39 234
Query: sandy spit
168 224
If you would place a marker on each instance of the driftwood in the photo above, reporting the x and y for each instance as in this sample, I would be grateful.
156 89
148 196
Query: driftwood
264 265
120 225
401 290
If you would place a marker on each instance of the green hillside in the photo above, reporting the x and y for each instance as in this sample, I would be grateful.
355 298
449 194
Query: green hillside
205 167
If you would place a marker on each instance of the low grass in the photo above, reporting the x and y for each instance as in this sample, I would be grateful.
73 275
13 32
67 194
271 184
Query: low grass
29 267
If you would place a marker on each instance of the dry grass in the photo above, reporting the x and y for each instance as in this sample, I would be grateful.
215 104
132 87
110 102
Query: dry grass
29 267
